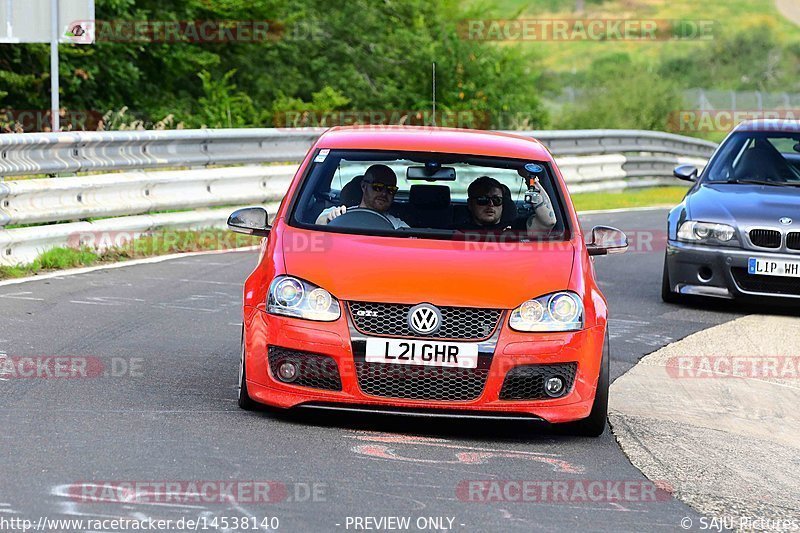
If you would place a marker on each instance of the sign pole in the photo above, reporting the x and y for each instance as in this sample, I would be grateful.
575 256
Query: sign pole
10 21
55 119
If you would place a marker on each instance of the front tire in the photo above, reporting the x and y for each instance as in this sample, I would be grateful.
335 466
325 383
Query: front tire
595 423
244 400
666 288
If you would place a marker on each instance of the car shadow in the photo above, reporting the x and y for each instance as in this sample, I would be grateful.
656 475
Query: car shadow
743 307
480 430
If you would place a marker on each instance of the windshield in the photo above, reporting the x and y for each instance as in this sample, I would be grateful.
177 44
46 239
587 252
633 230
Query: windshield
441 196
758 157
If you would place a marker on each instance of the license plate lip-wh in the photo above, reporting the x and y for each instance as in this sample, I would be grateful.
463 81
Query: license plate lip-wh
753 264
376 349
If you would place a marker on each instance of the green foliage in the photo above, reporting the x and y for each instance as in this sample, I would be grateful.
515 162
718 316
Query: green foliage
622 94
364 56
221 105
60 258
750 59
359 55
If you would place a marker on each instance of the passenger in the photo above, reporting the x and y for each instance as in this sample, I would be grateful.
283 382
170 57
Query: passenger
485 202
378 189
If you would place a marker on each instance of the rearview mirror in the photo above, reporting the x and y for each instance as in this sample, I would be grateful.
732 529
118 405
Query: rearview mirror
250 221
686 172
431 173
607 240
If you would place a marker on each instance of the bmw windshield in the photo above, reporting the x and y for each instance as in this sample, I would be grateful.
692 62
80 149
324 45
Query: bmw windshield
764 158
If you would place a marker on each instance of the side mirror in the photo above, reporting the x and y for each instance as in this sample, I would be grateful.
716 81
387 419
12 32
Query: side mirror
250 221
607 240
686 172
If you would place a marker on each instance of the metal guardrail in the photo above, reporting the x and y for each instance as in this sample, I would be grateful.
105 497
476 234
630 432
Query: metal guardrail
595 142
133 193
84 151
125 202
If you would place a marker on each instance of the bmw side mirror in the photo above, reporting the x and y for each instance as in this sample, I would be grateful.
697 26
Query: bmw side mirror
607 240
250 221
686 172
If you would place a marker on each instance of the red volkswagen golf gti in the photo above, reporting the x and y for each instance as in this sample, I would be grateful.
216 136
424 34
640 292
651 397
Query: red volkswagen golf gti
436 272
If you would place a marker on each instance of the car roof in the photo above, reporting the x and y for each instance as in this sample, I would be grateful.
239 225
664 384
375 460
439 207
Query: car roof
768 125
434 139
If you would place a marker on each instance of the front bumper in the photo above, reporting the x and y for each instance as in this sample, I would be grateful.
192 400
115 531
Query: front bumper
722 273
336 340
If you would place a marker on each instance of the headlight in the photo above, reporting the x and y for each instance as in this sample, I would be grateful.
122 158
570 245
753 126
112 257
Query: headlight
290 296
707 232
562 311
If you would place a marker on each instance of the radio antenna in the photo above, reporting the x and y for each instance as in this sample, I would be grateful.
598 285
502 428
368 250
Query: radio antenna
434 93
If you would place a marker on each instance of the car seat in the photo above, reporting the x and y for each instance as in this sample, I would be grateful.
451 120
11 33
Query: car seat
430 206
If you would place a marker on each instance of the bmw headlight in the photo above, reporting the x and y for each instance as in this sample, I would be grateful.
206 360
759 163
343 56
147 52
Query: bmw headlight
561 311
289 296
707 232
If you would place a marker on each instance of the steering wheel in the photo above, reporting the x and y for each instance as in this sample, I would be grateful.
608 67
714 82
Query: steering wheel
362 218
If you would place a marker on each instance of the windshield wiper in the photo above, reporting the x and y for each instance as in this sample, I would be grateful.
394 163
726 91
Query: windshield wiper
762 182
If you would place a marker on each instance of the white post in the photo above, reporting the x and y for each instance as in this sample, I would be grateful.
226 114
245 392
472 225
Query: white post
55 119
10 21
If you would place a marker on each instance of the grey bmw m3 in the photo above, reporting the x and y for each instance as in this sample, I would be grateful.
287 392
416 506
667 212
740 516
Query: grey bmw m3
736 234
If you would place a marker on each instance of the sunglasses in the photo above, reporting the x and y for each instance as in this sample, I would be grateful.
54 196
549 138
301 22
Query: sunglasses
496 201
381 187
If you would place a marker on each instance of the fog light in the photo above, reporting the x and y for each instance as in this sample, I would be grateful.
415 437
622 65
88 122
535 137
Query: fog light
287 372
554 386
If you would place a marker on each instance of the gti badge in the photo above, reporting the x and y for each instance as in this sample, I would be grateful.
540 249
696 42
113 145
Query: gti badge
424 319
786 221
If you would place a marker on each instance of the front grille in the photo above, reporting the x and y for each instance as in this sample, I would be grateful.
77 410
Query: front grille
527 382
793 240
392 319
765 238
766 284
314 370
421 382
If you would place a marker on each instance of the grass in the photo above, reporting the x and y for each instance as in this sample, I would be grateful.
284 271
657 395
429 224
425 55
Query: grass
633 198
161 243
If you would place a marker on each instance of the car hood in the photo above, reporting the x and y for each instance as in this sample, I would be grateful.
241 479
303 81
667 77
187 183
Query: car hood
410 271
744 204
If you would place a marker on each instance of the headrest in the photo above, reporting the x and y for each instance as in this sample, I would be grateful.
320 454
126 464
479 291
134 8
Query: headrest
509 207
351 192
429 196
762 163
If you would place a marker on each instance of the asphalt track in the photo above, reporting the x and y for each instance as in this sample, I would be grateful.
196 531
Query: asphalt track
168 337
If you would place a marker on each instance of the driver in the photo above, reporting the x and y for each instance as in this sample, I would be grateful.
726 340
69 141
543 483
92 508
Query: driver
378 189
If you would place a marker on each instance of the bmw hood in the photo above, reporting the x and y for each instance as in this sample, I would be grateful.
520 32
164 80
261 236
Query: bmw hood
745 205
411 271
